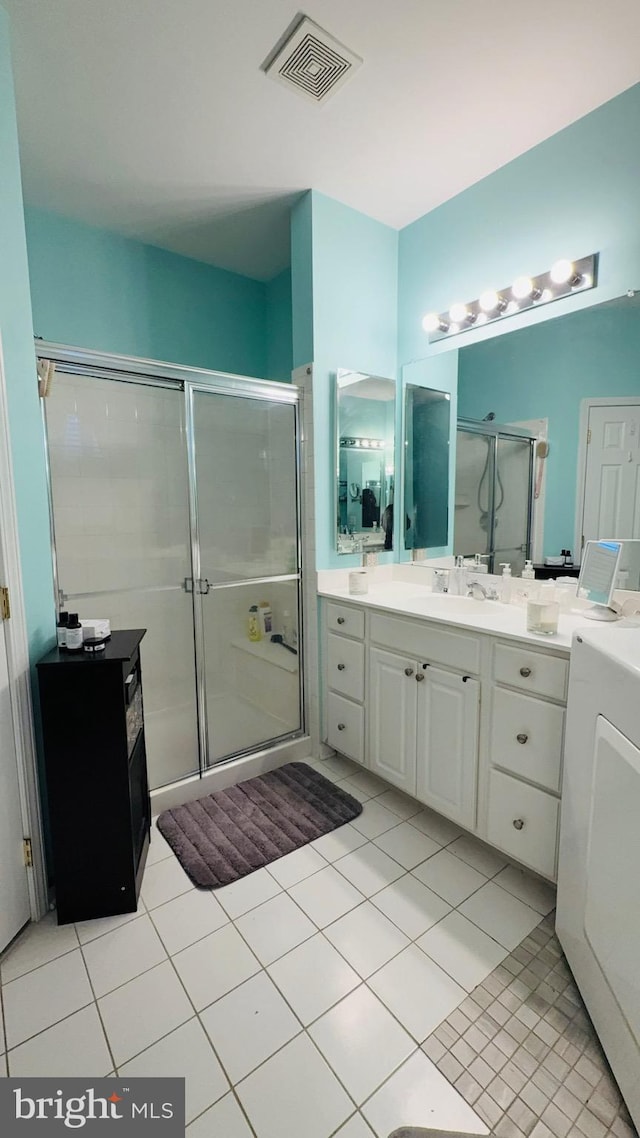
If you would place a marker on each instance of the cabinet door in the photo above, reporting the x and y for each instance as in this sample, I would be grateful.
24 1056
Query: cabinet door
447 744
391 703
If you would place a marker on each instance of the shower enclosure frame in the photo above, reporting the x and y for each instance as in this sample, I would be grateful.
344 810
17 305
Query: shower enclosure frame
494 432
188 381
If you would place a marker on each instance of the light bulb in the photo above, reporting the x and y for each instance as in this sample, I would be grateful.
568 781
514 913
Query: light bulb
562 271
453 328
458 313
511 308
585 281
490 300
522 288
432 322
547 295
482 318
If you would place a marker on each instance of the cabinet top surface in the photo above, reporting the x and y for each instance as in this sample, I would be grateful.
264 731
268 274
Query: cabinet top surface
120 647
489 617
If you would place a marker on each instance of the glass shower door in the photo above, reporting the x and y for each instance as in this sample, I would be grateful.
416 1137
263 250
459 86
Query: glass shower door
120 497
246 568
475 467
512 528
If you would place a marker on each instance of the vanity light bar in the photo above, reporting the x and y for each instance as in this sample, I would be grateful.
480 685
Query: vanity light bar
363 444
564 278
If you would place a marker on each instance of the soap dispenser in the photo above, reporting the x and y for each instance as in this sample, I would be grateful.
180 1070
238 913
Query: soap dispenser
528 573
505 591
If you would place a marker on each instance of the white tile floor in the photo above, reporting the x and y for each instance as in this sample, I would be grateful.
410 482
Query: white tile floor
294 1001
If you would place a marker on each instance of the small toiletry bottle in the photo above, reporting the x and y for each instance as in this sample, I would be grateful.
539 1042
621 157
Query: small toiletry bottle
458 577
61 629
440 581
358 582
505 590
253 628
542 614
528 573
73 634
265 617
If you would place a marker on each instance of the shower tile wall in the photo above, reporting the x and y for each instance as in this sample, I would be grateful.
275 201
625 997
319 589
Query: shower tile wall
120 494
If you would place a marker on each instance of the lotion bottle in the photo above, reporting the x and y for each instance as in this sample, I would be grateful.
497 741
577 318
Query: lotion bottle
61 629
73 634
505 591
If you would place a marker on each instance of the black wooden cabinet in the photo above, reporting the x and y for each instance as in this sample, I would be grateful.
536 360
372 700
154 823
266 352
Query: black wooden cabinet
96 770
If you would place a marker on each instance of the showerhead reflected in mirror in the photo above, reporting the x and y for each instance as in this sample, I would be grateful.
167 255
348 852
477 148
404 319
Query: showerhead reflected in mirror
365 461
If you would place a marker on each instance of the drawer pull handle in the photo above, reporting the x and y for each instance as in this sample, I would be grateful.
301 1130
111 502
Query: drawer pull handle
342 726
419 677
465 678
408 671
518 824
340 620
526 672
522 738
341 667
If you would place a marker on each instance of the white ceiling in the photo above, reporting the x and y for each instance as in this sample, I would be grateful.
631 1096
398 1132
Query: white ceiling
153 117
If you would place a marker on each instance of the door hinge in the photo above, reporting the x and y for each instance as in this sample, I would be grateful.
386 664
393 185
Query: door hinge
28 853
588 436
5 607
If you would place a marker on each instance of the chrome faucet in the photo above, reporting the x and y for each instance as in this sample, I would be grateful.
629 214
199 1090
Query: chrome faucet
475 589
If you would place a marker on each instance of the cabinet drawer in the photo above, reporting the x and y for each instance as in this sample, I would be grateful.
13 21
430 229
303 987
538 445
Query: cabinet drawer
534 842
526 737
345 729
531 671
427 642
345 666
348 621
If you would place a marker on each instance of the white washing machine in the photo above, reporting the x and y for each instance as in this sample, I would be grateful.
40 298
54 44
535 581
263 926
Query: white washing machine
598 914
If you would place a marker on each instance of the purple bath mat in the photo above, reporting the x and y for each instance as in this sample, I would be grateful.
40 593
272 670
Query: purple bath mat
224 836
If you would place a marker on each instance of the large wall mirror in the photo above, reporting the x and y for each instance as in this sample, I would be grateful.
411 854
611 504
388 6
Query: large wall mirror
365 410
427 427
537 378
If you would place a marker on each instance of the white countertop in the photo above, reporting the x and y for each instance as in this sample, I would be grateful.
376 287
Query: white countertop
409 599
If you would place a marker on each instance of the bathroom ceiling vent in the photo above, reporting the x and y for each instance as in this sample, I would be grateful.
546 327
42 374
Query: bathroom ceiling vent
312 62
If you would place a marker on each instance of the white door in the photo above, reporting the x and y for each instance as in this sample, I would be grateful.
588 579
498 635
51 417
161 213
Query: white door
14 893
612 475
447 744
393 693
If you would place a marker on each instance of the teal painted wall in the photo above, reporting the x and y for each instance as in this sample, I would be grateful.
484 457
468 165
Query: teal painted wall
574 194
279 328
302 281
19 364
94 289
544 372
354 278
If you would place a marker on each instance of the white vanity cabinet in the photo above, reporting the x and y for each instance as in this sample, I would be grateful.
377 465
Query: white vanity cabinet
345 680
527 709
468 723
422 732
447 765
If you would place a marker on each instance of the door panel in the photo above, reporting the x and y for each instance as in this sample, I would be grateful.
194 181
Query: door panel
612 476
392 718
447 744
245 463
14 894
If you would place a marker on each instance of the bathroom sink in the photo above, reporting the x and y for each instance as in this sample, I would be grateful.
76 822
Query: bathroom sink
442 603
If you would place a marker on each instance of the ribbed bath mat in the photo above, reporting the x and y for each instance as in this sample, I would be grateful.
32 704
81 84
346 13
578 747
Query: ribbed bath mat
224 836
